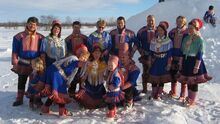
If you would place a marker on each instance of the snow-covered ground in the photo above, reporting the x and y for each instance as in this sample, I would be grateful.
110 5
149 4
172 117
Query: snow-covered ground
168 111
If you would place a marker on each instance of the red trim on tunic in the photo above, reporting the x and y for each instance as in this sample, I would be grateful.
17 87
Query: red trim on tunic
160 79
194 79
114 99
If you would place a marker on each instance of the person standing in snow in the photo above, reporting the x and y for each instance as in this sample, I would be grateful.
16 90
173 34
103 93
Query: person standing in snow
25 47
53 47
114 93
176 35
192 67
100 37
144 36
209 16
161 53
122 35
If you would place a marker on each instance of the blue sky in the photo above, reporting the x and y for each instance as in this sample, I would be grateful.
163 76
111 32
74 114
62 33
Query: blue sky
85 10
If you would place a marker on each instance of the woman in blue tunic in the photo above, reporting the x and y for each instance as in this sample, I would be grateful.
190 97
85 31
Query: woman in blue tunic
53 47
160 48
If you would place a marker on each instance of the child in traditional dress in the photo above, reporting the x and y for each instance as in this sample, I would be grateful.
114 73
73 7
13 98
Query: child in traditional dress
114 94
36 83
193 70
160 60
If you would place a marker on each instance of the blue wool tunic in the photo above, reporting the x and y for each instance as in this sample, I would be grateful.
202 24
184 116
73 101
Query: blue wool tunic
160 54
60 73
36 79
116 95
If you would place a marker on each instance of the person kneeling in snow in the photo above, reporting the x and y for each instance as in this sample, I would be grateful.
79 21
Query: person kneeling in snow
59 76
36 83
92 84
192 67
131 73
209 16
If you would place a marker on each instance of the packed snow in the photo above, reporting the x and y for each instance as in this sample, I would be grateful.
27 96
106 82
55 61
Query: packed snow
167 111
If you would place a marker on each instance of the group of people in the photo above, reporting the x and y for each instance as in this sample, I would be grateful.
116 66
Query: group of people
102 64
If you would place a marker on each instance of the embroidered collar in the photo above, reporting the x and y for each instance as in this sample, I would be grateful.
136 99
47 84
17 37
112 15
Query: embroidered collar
160 39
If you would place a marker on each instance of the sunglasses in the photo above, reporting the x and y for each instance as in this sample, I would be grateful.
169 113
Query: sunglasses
100 27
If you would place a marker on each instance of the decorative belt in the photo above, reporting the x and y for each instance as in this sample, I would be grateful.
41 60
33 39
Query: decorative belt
192 55
115 90
162 55
25 61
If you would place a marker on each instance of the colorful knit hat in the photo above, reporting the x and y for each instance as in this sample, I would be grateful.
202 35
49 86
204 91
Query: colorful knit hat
81 49
164 25
57 22
197 23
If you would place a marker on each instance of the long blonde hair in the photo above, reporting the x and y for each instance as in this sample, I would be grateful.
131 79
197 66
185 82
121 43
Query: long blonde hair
38 65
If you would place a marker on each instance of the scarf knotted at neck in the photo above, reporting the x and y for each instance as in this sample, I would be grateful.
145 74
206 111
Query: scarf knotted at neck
178 35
